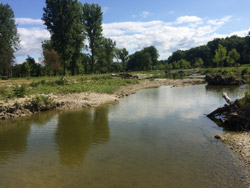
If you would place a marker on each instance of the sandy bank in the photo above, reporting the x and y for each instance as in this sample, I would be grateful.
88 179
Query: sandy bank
8 109
240 144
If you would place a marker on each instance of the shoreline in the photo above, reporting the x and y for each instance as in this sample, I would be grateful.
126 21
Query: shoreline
239 143
71 101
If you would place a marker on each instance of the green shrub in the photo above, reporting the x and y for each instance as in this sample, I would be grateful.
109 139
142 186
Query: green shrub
41 100
36 84
245 101
20 91
245 71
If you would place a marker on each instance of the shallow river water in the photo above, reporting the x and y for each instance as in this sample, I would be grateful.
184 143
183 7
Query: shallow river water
157 137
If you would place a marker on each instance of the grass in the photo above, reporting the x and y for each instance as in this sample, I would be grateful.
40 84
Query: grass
75 84
102 83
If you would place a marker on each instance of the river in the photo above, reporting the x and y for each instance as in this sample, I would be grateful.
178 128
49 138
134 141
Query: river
157 137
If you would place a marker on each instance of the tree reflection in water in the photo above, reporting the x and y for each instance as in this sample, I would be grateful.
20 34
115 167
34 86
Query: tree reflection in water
77 132
14 135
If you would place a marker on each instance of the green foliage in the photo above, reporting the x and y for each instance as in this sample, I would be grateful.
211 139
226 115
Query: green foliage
63 20
121 55
40 101
220 55
9 40
245 102
144 59
19 91
92 21
245 71
198 63
36 84
59 82
105 55
233 57
184 64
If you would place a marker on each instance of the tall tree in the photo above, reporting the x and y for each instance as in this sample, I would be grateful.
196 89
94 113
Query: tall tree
153 53
63 20
122 55
92 20
9 40
105 54
220 55
233 56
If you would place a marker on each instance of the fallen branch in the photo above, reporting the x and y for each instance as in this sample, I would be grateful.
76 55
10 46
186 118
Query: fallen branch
227 99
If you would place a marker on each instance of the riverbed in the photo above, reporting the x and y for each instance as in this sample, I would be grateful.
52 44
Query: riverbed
158 137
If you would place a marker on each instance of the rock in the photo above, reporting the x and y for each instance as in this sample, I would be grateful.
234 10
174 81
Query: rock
219 137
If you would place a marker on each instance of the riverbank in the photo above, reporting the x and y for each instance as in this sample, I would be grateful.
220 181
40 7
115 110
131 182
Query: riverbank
17 107
239 143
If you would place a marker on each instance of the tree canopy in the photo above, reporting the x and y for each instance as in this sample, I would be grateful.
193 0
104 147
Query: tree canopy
92 21
63 20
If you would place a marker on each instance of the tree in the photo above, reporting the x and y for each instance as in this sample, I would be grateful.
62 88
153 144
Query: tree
122 55
27 67
198 63
105 54
9 40
184 64
92 21
233 56
153 53
63 20
220 55
51 60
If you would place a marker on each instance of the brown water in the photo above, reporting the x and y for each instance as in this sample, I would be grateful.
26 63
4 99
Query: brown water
155 138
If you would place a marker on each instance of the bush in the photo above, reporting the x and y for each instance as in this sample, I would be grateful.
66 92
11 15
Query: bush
40 101
245 71
36 84
20 91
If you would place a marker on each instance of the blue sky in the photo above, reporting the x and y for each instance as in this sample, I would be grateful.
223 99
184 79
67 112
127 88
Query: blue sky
134 24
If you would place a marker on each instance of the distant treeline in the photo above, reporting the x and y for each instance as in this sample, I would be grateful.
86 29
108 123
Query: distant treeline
230 51
77 46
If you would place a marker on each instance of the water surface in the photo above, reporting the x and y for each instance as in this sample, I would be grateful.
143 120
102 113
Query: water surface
156 138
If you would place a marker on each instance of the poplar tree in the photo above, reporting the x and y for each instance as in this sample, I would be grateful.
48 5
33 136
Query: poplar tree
9 40
63 20
92 20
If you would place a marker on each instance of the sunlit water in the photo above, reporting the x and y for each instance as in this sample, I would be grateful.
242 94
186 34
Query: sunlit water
156 138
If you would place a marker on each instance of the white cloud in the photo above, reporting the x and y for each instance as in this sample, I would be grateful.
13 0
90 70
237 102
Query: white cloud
188 19
28 21
31 39
219 22
165 36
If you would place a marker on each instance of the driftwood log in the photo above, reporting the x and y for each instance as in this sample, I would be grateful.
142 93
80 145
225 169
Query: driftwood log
231 116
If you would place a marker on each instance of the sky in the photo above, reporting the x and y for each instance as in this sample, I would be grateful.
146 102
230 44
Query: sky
135 24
